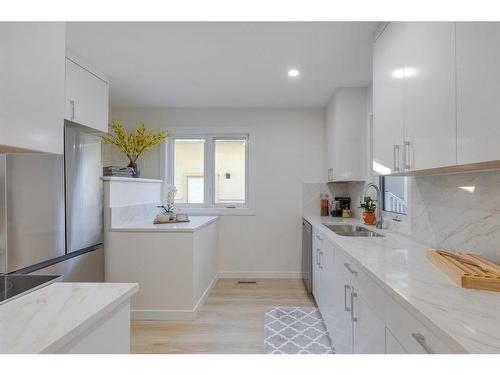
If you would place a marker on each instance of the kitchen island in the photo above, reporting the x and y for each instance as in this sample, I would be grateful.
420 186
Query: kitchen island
174 264
87 318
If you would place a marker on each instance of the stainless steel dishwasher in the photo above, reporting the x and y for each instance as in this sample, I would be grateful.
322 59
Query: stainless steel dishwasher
307 254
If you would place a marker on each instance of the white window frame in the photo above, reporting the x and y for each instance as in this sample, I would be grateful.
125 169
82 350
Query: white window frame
209 207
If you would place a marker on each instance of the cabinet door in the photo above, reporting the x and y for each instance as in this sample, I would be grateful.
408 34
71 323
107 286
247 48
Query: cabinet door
86 97
316 254
388 105
326 282
349 132
429 95
392 345
32 86
338 319
478 91
369 329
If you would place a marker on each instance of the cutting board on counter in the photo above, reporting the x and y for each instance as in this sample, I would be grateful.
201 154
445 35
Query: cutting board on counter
467 270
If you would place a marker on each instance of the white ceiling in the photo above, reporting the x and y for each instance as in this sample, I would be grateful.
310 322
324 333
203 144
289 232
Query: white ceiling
189 64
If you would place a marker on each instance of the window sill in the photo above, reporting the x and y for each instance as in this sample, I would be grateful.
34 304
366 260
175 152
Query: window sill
222 211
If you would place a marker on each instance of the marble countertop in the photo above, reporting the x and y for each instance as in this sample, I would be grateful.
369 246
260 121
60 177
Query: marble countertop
46 319
195 223
466 319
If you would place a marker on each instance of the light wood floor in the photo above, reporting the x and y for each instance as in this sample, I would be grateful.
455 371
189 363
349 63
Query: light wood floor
230 321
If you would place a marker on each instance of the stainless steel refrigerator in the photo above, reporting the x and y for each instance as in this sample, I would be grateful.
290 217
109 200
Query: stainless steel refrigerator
51 210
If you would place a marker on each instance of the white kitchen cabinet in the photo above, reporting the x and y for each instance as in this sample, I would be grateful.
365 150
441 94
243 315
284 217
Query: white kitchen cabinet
392 345
316 254
353 326
32 86
87 96
369 329
414 336
346 128
388 99
322 271
429 95
360 315
478 91
338 321
414 97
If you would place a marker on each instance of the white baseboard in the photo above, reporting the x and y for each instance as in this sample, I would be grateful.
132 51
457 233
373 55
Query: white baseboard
205 294
174 314
259 275
162 314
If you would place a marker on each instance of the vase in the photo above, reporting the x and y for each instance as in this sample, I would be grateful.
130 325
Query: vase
369 217
135 169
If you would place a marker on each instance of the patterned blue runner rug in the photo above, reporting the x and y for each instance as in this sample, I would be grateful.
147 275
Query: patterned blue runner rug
296 330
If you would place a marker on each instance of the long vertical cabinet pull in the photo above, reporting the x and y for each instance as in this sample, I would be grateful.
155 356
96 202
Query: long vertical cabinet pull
72 103
320 259
397 167
353 295
346 288
407 155
317 257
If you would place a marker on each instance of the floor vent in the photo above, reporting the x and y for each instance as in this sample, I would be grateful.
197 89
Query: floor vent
247 282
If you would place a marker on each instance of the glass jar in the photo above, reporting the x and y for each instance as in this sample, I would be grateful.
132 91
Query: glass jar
324 203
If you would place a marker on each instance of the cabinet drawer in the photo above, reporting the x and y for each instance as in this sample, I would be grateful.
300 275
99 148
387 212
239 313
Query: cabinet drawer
413 335
392 345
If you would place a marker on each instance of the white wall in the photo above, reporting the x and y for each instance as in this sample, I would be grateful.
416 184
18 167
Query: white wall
289 151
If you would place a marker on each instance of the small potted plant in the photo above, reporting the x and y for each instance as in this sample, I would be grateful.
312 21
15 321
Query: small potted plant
133 143
369 205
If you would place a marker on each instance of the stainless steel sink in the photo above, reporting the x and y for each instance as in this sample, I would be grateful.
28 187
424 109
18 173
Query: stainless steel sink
352 230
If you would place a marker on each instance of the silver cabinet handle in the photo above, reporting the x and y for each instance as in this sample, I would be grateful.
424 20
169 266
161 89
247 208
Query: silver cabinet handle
421 340
330 174
317 257
353 295
319 237
320 259
396 158
348 266
346 287
407 154
72 102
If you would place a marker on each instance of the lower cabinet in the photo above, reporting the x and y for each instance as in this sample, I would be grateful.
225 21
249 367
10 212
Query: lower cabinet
338 317
392 345
369 329
360 316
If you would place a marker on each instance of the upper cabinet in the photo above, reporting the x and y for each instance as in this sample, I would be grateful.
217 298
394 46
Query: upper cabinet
388 104
414 97
429 95
346 128
436 95
478 91
32 86
87 93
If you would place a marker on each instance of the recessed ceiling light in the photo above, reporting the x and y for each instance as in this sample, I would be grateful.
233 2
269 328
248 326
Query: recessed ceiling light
294 73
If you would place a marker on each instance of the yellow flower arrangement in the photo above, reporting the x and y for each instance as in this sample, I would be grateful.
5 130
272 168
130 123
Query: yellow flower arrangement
135 142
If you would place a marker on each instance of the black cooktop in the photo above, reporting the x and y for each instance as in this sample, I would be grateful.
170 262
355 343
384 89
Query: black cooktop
15 285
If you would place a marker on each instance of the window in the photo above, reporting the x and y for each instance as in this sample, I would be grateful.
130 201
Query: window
230 171
394 194
212 172
189 168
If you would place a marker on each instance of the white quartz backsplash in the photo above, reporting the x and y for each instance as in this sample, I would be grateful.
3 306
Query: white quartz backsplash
140 213
459 212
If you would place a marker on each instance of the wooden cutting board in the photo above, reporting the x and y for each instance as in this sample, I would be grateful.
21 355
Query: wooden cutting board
467 270
170 222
